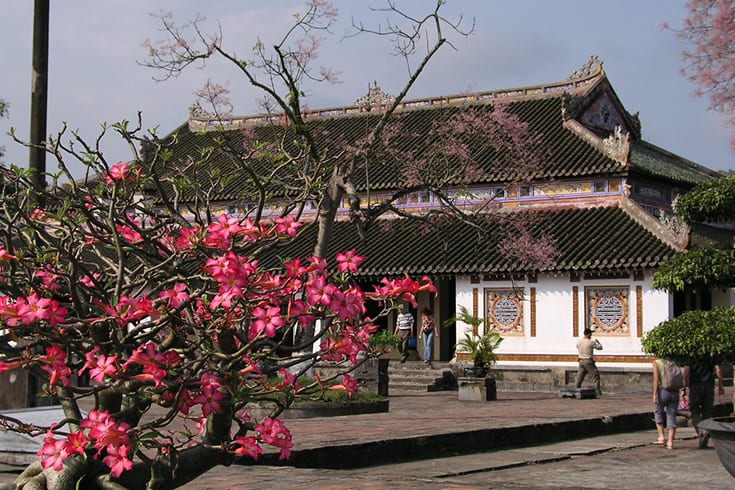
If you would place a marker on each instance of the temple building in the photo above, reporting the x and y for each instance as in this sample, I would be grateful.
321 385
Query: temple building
601 192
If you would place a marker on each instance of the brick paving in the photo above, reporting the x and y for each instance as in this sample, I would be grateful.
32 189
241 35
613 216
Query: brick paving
419 424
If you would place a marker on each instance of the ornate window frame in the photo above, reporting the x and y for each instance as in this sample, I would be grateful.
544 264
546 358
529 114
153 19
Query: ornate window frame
607 309
504 310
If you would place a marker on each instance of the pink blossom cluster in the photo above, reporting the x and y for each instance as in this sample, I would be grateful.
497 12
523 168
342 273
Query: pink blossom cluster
103 433
272 432
234 291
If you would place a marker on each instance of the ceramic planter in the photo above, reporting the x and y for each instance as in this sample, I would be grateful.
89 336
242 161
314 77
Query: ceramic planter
722 431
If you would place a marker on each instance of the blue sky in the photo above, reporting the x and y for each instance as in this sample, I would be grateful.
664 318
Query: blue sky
95 45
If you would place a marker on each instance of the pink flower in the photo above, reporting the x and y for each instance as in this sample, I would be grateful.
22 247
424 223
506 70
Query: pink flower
348 384
48 278
319 292
267 321
76 443
176 296
275 433
118 172
129 235
56 313
348 261
89 280
287 226
104 366
248 447
95 423
54 453
38 214
32 308
117 460
5 255
55 364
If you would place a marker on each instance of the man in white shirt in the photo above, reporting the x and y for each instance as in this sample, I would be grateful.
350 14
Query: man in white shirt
586 347
404 329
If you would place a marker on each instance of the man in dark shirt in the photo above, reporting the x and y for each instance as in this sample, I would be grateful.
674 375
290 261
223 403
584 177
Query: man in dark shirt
700 378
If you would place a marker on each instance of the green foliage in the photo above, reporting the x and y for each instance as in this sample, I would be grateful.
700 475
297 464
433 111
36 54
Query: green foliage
384 340
481 348
694 335
712 201
711 268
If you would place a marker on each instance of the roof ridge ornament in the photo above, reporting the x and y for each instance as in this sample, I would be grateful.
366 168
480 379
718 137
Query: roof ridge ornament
617 145
592 67
375 98
196 111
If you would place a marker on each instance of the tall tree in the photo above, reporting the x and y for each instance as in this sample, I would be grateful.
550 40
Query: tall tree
709 31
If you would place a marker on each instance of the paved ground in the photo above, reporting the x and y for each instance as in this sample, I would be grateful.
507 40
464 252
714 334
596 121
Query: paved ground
621 461
528 427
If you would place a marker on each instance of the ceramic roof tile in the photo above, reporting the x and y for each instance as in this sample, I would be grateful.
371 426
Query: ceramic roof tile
598 239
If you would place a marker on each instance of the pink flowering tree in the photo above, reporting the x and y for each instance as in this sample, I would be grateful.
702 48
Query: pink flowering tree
156 322
156 334
452 154
709 33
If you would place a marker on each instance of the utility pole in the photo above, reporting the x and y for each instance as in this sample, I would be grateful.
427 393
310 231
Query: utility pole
39 94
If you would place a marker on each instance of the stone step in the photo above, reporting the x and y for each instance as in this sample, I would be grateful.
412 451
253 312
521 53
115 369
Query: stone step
416 376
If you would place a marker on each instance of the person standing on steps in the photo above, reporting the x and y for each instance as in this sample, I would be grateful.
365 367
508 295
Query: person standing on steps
404 330
586 347
429 332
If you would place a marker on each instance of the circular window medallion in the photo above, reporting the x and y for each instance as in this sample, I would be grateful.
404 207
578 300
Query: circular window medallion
506 313
608 312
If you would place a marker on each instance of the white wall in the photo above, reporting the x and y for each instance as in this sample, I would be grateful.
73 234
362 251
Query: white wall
554 311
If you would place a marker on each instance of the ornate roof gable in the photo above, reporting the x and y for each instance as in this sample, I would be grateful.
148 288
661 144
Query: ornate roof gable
598 115
603 116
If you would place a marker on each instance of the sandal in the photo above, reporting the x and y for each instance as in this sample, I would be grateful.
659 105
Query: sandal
669 446
658 441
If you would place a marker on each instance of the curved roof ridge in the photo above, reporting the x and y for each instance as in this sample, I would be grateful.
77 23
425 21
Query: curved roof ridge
579 81
677 241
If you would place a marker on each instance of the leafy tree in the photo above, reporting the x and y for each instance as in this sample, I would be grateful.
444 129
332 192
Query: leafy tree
709 31
697 335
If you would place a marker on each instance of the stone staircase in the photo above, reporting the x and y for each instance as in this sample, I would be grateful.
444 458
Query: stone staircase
416 376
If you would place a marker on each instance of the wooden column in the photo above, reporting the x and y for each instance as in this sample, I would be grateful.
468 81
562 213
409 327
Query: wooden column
639 310
532 298
475 309
575 311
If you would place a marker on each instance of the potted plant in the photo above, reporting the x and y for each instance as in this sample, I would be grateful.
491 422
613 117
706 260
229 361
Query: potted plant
481 349
722 430
476 385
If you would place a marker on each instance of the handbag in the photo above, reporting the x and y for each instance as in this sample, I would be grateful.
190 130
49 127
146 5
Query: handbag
411 343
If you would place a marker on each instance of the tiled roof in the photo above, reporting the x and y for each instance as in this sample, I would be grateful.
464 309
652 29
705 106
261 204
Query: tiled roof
566 155
655 162
599 239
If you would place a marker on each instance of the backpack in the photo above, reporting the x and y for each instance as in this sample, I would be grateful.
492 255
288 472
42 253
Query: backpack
672 378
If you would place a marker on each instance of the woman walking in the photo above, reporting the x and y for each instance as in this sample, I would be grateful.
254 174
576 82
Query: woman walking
666 403
429 331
